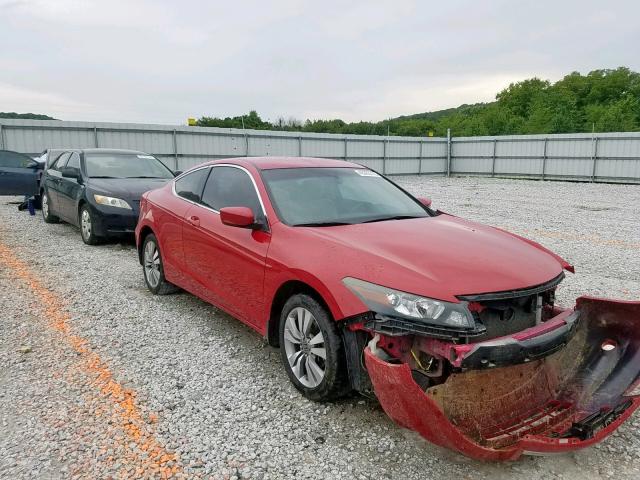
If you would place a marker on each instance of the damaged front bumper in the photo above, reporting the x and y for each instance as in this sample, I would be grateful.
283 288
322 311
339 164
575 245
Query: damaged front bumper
562 385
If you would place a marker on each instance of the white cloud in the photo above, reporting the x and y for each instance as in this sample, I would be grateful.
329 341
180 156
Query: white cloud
161 61
18 99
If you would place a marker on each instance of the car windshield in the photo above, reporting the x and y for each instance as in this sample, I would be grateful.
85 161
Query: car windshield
337 196
125 165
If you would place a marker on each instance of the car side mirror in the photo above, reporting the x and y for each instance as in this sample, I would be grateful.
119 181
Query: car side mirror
238 217
425 201
177 173
70 172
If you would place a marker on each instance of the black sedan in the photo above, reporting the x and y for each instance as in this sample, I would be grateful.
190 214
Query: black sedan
19 174
99 190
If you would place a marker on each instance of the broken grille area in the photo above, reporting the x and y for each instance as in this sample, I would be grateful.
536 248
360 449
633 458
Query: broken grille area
554 416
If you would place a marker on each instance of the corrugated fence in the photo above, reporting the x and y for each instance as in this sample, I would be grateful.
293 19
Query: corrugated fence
600 157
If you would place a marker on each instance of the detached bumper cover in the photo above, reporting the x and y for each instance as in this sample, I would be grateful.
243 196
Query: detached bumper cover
568 400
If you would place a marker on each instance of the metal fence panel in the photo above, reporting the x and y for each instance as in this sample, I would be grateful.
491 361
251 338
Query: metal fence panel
366 149
398 166
470 165
516 166
210 145
330 148
597 157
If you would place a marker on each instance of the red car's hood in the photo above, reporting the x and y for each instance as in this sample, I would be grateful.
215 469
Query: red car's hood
439 256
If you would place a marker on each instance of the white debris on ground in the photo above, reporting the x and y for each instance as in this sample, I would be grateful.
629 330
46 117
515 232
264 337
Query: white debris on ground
212 398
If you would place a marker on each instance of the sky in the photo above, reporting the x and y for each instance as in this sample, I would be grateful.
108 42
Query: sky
157 61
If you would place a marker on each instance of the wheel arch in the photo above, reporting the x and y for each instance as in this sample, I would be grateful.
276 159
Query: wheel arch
285 291
144 231
81 203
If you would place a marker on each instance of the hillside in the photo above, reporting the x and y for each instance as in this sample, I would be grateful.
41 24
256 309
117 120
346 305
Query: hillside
25 116
602 101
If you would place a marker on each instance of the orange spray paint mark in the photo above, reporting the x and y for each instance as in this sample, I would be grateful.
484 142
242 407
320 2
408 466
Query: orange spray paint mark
113 397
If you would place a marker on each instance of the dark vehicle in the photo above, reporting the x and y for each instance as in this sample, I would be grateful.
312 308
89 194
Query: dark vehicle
99 190
50 155
19 174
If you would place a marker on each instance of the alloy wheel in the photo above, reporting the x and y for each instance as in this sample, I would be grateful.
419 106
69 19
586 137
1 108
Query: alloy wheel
85 224
305 348
152 264
45 205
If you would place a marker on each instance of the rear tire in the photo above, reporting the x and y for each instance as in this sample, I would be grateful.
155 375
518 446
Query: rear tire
153 269
87 227
46 210
307 334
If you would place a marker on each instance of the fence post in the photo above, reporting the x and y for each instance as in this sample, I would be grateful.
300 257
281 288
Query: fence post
246 143
594 158
95 137
544 157
299 145
384 156
420 160
493 157
448 152
1 137
175 150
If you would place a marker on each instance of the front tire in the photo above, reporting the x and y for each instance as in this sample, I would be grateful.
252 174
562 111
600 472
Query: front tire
153 268
87 227
46 210
311 349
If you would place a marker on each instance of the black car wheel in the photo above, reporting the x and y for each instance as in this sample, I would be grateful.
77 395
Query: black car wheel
153 269
86 227
46 210
312 350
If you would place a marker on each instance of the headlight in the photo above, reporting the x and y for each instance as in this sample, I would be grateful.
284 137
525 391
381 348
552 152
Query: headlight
111 202
387 301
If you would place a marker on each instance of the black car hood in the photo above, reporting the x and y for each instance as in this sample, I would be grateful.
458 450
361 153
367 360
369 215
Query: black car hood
125 188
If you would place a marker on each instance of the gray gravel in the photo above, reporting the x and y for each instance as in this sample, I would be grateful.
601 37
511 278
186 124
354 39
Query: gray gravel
209 390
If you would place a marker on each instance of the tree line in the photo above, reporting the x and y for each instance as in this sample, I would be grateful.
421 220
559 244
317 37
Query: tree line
606 100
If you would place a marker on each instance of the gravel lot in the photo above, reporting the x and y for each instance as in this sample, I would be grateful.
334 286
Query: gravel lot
99 378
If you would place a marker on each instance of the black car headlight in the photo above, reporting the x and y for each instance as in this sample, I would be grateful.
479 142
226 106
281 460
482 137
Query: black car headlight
390 302
111 201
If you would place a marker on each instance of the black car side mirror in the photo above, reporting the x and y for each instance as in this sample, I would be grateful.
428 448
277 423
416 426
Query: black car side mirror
70 172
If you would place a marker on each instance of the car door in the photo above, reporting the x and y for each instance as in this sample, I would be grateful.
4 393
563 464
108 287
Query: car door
52 184
229 262
169 220
70 190
18 174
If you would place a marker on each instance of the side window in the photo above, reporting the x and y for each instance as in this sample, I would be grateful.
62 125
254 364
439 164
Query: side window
74 161
52 157
60 162
11 159
190 185
230 187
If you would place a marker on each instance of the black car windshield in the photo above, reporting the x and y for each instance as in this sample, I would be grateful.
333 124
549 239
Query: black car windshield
337 196
125 165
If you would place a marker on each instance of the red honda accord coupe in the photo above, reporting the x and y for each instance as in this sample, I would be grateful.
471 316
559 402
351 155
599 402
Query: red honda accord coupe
451 324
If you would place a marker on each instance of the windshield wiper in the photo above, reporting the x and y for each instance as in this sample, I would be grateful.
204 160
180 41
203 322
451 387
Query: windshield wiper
148 176
321 224
102 176
393 217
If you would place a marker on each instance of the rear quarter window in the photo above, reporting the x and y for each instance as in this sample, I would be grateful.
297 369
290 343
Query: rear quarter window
190 186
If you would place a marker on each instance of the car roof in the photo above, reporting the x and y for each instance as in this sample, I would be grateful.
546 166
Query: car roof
269 163
108 150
